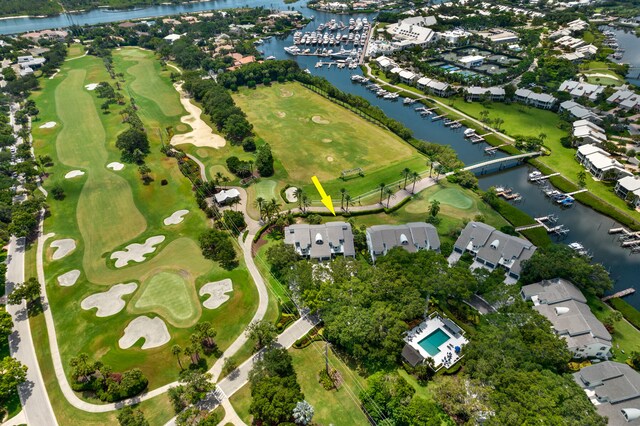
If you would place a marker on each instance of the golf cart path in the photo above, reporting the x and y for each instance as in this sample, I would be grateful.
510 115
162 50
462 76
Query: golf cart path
36 407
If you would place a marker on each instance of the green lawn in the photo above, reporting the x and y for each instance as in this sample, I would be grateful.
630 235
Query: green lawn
104 211
338 407
625 336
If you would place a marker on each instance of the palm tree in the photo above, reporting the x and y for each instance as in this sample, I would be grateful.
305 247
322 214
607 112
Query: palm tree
274 208
342 192
347 198
389 193
259 203
195 347
414 177
188 351
299 193
382 186
218 178
176 350
406 172
306 202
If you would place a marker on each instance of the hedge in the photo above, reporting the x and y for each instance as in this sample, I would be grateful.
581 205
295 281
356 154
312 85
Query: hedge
315 335
630 313
260 232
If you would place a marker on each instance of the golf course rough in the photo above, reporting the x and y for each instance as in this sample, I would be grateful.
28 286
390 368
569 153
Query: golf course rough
108 210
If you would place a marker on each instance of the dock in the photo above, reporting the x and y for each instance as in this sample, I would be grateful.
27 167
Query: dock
476 139
548 223
507 194
628 239
541 178
438 117
577 192
493 149
453 123
622 293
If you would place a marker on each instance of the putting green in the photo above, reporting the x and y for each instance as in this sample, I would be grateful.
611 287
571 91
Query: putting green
454 198
170 295
266 189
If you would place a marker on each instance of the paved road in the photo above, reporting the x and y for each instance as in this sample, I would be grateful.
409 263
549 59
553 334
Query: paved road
33 393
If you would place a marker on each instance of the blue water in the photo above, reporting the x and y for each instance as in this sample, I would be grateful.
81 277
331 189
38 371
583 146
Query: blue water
432 342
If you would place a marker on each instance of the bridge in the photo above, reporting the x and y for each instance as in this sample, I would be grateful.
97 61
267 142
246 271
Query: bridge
499 161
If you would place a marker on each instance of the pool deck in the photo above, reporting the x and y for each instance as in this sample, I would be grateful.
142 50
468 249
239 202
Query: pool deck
427 327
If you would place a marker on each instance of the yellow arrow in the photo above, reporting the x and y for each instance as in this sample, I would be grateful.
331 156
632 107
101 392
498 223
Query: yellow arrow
326 200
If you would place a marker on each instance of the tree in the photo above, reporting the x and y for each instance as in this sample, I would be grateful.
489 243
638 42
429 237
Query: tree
259 203
582 178
303 413
58 192
282 257
13 374
343 191
414 178
234 221
264 161
382 186
176 350
347 199
263 332
434 208
28 291
216 245
128 416
196 385
133 144
406 173
144 171
105 107
237 128
389 193
6 324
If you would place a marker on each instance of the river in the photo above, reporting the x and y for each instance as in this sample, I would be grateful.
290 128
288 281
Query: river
587 226
628 41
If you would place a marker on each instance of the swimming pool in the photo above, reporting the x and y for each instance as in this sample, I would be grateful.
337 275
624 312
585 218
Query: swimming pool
433 341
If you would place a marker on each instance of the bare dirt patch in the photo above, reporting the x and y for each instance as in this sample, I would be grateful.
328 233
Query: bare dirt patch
136 252
109 302
217 292
201 134
319 120
153 330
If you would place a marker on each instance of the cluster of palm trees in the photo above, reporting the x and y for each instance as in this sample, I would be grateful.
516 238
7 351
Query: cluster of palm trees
303 199
269 210
408 175
201 341
345 199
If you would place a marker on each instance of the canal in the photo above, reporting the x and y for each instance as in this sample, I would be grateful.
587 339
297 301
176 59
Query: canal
586 226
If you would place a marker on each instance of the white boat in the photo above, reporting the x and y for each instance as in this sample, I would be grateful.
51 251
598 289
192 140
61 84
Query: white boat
270 58
469 132
292 50
535 175
578 248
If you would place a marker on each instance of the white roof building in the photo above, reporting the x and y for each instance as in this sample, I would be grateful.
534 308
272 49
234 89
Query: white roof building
579 89
588 132
173 37
224 197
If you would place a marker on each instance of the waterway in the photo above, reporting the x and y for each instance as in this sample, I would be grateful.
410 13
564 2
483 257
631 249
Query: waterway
587 226
628 41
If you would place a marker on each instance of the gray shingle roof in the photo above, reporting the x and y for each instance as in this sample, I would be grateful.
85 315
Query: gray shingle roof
553 291
321 241
412 237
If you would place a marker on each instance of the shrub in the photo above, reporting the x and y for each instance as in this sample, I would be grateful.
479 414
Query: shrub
630 313
326 379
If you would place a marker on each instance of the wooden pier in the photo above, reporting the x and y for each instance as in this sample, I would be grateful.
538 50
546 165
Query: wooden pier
452 123
545 222
438 117
577 192
541 178
622 293
494 148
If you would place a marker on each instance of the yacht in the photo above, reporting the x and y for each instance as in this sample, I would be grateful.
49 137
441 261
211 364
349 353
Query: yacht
292 50
535 175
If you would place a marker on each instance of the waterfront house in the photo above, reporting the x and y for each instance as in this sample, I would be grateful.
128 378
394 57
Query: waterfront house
599 162
492 249
321 242
538 100
30 62
578 112
564 305
475 93
433 86
614 390
407 77
413 31
628 188
385 63
585 132
411 237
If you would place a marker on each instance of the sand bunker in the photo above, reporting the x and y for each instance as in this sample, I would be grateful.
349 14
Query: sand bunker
69 278
48 125
291 194
330 159
62 248
152 330
73 173
217 292
286 93
91 86
136 252
201 135
319 120
176 218
281 114
115 166
109 302
327 140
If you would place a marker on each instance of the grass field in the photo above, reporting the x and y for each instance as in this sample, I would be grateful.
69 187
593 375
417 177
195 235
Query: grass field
311 135
338 407
105 210
625 336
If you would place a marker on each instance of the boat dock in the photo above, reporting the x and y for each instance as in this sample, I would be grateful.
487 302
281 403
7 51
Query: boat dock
577 192
508 194
541 178
491 150
548 223
453 123
438 117
622 293
628 239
